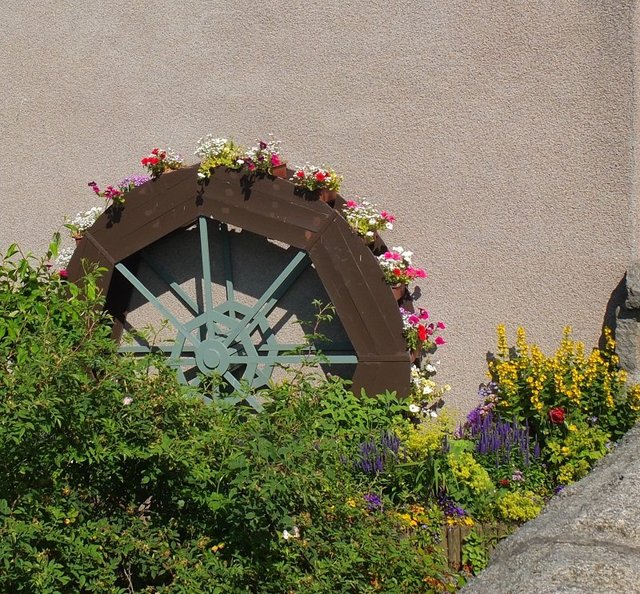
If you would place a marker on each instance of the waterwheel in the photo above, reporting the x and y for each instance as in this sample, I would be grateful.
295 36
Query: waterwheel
219 331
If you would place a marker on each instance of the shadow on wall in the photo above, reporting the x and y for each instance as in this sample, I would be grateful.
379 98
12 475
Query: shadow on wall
614 310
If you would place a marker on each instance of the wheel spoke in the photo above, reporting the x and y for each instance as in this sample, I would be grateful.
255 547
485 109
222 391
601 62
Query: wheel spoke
161 272
206 272
264 306
228 272
155 302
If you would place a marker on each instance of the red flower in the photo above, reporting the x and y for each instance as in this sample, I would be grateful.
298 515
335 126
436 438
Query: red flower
300 174
556 415
320 176
155 151
504 482
397 271
422 333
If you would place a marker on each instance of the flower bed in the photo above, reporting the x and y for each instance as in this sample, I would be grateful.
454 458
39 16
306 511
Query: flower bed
114 476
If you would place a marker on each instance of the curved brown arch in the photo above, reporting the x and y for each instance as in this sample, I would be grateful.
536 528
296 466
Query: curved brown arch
273 208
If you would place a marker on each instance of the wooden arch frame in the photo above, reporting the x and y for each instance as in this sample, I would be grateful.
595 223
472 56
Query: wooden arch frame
270 207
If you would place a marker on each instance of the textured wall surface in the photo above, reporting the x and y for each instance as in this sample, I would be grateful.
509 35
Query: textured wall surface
498 132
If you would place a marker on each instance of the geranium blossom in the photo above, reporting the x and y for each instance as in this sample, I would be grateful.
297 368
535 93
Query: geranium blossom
161 160
419 333
397 267
312 178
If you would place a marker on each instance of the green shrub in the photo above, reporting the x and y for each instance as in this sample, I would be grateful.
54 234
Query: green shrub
114 478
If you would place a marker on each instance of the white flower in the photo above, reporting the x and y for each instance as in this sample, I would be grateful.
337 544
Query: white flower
414 408
433 414
64 257
427 390
430 368
295 533
208 146
127 400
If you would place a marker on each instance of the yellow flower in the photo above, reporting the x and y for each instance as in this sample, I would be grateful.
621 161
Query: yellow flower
351 502
503 346
572 427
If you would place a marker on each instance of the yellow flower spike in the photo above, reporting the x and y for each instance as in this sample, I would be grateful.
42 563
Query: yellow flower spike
521 342
503 347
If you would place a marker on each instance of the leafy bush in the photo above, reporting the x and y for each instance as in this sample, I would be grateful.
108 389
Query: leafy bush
114 478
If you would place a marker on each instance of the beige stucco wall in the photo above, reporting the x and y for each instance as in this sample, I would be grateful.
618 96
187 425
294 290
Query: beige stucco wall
499 132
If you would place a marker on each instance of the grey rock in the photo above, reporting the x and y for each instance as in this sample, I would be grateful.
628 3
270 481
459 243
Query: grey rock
633 286
587 540
628 341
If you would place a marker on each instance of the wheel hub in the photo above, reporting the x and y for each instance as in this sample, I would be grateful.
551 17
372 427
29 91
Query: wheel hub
212 355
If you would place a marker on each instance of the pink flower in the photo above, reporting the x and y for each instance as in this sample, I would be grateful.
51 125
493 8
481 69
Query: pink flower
387 217
251 166
414 320
62 273
424 314
441 326
351 204
275 160
439 340
392 256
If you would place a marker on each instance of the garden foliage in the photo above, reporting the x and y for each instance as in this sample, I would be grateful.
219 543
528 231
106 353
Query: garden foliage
115 479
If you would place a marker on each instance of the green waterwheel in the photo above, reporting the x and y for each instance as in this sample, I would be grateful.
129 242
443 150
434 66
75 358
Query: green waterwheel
214 330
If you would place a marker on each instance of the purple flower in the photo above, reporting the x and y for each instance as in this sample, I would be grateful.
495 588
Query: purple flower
373 501
132 181
450 507
373 457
